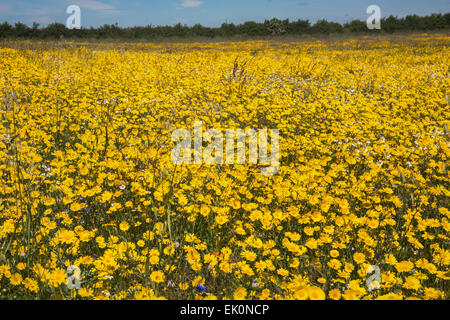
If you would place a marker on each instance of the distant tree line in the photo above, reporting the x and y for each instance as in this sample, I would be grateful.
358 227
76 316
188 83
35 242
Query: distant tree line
271 27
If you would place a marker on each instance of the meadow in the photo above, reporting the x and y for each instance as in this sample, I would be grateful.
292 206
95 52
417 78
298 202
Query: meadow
88 182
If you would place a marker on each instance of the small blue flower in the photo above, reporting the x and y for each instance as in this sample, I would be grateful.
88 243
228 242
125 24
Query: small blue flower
200 288
324 119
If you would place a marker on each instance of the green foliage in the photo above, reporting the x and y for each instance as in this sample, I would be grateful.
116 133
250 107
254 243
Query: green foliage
273 27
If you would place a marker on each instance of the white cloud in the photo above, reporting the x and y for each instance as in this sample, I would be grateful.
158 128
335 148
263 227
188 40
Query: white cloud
95 6
191 3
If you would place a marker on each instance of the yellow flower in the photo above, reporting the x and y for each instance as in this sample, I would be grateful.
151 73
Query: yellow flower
334 264
390 259
154 259
124 226
301 293
85 236
412 283
49 201
352 154
76 207
84 292
390 296
204 210
31 285
264 295
16 279
67 236
21 265
157 276
432 293
141 243
221 219
359 257
183 286
334 253
350 294
57 277
316 293
334 294
404 266
198 280
283 272
240 293
35 194
249 255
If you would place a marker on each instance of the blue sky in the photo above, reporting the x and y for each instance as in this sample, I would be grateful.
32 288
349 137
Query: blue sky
207 12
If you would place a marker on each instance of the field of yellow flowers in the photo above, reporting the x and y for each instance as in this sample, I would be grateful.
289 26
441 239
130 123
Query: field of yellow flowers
88 183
